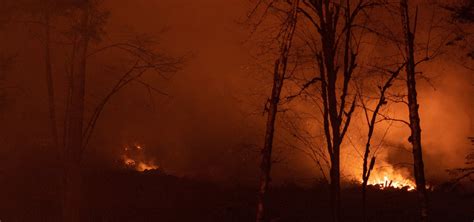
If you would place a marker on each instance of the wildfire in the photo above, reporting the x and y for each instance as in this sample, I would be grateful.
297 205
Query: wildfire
389 178
134 158
388 182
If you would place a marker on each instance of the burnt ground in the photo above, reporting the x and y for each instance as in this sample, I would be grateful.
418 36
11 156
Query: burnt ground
153 196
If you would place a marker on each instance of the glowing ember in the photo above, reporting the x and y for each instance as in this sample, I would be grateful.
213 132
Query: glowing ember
134 158
129 162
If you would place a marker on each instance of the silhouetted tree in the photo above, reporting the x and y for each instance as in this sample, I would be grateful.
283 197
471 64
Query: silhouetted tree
367 166
336 57
75 111
413 106
42 13
279 76
88 22
46 11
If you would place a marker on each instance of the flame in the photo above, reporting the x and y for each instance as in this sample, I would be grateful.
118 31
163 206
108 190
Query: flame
134 158
390 178
383 176
390 182
129 162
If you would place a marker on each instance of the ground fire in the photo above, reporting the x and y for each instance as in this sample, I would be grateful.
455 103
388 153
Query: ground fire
134 157
388 177
392 181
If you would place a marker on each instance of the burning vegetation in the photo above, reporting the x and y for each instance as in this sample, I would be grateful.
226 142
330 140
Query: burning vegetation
392 180
135 158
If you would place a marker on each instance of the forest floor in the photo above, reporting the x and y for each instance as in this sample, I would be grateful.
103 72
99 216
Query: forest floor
131 196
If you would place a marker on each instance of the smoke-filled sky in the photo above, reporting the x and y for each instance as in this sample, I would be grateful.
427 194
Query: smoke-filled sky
211 122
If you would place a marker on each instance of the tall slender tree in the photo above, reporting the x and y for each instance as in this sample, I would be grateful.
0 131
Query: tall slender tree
279 75
367 166
41 14
75 115
49 74
413 106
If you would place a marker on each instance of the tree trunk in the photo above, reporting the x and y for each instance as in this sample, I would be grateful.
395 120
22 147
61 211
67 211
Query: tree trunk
365 181
413 106
278 80
50 85
335 120
268 144
364 201
367 168
335 188
71 192
74 129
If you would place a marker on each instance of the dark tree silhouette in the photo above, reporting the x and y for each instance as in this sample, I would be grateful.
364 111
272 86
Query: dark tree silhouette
89 21
336 58
371 122
413 106
279 76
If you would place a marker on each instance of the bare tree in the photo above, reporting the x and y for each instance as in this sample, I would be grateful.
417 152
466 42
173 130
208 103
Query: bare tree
415 138
144 59
50 81
279 75
334 24
48 10
41 14
88 22
371 122
75 115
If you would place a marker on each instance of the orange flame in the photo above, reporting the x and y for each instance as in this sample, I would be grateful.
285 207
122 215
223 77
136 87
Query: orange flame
389 182
390 178
134 158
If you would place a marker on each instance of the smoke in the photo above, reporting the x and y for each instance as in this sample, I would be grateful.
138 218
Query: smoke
206 125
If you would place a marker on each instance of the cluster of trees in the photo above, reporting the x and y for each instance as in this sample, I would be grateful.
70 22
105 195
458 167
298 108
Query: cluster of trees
329 38
73 30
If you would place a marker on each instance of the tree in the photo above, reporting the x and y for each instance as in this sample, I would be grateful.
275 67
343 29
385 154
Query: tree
42 14
371 122
75 115
413 106
79 24
336 58
47 11
279 76
88 20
